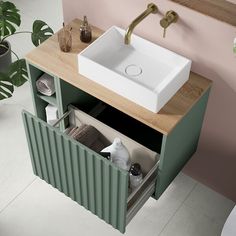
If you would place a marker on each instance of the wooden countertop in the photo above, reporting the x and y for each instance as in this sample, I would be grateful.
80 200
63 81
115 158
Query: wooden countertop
49 58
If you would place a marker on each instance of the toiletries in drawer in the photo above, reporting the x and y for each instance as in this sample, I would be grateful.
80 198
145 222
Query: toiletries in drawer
119 154
135 176
106 155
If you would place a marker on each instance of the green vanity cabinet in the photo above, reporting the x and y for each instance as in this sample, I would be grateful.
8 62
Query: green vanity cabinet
170 137
85 176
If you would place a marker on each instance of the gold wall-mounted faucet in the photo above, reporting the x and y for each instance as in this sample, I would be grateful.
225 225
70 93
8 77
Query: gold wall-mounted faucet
151 8
169 18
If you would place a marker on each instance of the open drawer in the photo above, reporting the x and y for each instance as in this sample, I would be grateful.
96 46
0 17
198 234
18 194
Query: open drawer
84 175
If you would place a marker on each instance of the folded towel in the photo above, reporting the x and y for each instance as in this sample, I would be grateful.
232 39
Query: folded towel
89 136
98 145
73 132
45 85
51 114
68 130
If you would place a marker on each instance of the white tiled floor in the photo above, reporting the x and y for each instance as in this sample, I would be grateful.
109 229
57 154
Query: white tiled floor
30 207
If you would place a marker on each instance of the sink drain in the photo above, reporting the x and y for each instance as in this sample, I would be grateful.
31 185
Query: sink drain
133 70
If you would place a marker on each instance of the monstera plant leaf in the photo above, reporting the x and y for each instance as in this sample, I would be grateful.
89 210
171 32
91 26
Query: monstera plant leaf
9 18
41 32
18 72
6 87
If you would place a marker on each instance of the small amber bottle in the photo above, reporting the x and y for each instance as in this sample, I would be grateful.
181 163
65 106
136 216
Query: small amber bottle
85 31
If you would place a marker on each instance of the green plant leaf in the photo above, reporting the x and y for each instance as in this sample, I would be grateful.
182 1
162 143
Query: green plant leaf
41 32
6 87
18 72
9 18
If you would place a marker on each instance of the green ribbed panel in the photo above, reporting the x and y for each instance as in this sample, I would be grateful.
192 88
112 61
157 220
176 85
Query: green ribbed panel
78 172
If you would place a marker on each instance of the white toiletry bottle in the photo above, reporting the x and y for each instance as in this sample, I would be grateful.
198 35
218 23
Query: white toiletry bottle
119 154
135 176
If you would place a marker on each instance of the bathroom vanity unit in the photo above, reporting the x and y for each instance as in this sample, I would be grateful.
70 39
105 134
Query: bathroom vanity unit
163 142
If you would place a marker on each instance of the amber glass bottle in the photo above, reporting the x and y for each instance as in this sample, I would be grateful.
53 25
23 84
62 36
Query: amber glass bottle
85 31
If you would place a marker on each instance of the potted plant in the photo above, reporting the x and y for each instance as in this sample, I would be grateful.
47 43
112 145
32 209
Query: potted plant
15 73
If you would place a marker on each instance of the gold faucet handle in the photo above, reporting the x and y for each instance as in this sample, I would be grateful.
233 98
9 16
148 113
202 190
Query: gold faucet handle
164 33
172 16
169 18
164 24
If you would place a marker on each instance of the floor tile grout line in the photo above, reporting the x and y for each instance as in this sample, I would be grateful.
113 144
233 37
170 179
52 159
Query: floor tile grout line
182 203
22 191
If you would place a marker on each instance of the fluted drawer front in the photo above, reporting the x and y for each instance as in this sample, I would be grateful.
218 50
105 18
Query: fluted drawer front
77 171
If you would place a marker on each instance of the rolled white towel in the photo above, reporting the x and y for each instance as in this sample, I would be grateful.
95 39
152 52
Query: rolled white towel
51 114
45 85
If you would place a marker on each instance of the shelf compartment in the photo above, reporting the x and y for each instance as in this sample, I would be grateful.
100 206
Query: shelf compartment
49 99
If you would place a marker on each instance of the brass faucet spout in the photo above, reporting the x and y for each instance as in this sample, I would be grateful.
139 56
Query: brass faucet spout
151 8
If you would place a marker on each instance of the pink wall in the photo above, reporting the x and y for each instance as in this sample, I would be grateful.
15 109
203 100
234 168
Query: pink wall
208 42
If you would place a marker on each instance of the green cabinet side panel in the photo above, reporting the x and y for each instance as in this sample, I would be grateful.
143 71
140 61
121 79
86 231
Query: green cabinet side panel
38 103
179 146
77 171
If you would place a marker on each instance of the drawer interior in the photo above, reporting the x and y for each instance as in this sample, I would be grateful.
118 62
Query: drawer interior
132 128
147 159
138 153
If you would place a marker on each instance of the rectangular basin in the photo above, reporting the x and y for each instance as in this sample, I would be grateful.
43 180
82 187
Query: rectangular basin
143 72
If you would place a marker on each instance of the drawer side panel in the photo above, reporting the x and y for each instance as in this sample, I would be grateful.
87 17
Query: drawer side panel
78 172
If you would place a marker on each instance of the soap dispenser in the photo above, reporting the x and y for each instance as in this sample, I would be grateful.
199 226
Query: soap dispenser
85 31
119 154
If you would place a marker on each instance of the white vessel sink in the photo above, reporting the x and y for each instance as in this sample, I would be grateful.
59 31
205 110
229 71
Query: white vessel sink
142 72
